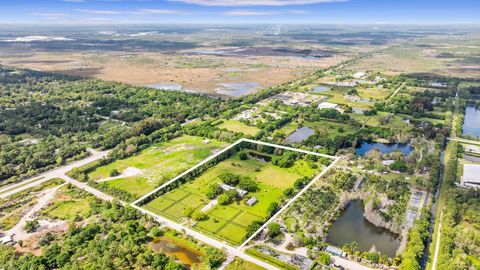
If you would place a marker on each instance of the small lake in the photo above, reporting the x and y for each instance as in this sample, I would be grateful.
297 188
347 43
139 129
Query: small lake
351 226
185 254
166 86
237 89
300 134
384 148
471 124
319 89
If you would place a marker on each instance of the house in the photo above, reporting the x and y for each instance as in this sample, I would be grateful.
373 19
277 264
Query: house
252 201
336 251
241 193
471 176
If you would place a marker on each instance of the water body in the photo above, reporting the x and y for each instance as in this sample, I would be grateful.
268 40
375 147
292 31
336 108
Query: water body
260 157
320 89
384 148
166 86
351 226
471 124
471 158
185 254
300 134
237 89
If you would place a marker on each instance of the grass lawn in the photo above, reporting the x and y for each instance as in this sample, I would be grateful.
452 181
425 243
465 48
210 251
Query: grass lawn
229 222
237 126
331 129
158 163
69 203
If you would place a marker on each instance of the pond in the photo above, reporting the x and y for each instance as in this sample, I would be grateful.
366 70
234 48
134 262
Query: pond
260 157
237 89
320 89
384 148
300 134
352 226
166 86
185 254
471 124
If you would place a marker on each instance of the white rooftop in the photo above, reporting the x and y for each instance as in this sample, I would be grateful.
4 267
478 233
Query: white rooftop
327 105
471 175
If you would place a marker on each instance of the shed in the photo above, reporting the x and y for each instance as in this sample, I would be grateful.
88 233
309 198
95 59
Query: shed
252 201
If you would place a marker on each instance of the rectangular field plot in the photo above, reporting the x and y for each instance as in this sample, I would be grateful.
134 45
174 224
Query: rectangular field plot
146 170
243 184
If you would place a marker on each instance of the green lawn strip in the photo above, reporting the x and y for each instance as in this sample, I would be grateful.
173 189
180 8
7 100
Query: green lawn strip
177 194
211 224
233 232
193 200
237 126
245 218
135 185
224 212
161 203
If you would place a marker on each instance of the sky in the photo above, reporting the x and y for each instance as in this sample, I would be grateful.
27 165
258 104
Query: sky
77 12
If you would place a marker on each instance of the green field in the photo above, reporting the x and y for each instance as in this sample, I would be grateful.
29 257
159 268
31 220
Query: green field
158 163
237 126
229 222
69 203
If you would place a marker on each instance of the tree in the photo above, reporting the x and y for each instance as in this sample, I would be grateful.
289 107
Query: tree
215 257
229 178
273 229
246 183
114 172
323 258
289 192
214 190
272 208
31 226
188 211
198 215
243 156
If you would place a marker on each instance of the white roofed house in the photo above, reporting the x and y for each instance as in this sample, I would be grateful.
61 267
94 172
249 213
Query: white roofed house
471 176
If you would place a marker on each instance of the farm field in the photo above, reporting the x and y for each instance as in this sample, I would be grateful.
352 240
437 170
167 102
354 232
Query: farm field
157 164
237 126
229 222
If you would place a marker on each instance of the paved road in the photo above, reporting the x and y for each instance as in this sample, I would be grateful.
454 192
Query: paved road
437 244
349 265
54 173
464 140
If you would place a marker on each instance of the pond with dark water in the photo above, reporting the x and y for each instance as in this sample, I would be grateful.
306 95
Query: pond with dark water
352 226
384 148
471 122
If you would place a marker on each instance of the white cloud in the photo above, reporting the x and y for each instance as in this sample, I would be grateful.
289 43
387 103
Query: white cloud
100 11
157 11
250 13
239 3
40 14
